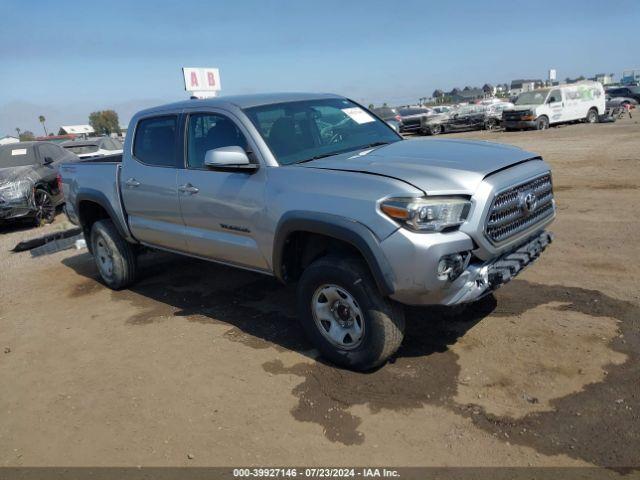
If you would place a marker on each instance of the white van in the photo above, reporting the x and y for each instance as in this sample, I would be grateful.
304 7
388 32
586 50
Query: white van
562 103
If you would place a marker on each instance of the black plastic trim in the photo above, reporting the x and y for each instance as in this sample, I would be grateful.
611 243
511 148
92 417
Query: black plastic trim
101 199
340 228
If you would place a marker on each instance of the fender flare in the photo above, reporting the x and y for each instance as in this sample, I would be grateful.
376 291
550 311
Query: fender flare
99 198
340 228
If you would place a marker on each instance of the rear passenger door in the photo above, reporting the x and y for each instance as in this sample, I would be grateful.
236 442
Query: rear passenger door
148 183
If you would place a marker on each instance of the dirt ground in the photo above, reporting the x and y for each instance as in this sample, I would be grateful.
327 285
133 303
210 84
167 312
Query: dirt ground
200 364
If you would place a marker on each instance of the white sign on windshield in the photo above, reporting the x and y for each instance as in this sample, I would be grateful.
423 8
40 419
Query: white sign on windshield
358 115
19 151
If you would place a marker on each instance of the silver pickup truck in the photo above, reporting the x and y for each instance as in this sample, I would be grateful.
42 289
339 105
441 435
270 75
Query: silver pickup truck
315 189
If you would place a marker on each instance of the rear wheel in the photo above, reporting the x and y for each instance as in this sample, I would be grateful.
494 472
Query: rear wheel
542 123
45 209
345 316
435 129
114 256
592 116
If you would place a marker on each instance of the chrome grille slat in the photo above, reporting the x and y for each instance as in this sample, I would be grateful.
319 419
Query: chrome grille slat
507 218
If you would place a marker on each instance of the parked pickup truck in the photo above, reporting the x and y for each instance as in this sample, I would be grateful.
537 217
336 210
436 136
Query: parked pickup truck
317 190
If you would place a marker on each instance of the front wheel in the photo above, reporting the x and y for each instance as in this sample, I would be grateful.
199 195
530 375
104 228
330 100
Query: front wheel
114 256
592 116
345 316
542 123
491 124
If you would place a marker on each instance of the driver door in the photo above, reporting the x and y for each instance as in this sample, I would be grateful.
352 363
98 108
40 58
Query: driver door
557 110
221 210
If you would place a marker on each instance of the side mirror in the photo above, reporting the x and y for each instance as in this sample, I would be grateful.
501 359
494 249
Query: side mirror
47 160
229 159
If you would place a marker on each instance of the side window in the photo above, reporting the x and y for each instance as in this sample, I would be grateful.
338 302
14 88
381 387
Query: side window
207 131
51 151
155 141
555 96
57 151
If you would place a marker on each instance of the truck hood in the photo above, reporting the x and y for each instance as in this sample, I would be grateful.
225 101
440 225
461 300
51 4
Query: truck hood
522 108
435 166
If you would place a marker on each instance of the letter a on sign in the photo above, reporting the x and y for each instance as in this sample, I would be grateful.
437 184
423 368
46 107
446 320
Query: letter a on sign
199 80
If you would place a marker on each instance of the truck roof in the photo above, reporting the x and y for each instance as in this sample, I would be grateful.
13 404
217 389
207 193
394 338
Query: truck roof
242 101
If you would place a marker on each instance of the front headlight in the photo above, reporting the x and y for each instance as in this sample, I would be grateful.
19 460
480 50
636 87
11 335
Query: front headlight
14 190
427 214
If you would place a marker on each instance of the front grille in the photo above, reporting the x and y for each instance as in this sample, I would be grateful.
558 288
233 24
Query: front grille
519 208
513 115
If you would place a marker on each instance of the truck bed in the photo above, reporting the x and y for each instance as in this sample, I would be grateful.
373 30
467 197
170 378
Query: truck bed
96 179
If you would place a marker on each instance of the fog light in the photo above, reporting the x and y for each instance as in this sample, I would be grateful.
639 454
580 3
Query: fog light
451 266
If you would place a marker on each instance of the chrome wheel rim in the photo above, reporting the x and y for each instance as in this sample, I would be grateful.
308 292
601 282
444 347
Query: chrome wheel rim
338 316
104 258
44 207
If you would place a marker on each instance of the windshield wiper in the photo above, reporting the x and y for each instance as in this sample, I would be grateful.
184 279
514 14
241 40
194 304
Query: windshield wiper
324 155
376 144
316 157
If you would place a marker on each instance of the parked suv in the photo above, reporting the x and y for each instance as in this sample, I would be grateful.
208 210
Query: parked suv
313 189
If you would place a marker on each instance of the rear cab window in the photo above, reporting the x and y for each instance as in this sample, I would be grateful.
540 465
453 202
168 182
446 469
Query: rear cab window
155 141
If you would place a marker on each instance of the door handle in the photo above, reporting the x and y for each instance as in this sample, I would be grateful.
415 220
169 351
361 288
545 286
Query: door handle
188 189
132 182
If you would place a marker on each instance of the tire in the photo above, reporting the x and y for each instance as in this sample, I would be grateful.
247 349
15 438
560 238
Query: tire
45 209
374 324
491 125
592 116
435 129
114 256
542 123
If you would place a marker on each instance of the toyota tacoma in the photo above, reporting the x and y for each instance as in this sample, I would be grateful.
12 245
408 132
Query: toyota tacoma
315 189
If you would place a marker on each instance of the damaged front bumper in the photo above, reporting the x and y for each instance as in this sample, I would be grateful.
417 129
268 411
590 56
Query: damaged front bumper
487 277
15 209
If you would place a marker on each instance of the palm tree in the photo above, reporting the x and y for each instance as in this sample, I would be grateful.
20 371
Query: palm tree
42 120
18 131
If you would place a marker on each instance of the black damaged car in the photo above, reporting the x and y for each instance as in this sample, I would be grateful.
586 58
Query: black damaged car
29 181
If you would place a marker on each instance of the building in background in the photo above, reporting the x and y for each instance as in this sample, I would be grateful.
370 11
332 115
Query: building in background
7 139
83 131
603 78
630 77
523 85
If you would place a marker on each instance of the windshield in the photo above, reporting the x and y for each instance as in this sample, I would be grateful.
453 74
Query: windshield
16 156
80 149
301 131
536 97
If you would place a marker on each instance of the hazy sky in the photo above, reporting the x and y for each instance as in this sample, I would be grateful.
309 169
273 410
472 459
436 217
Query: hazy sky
64 59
